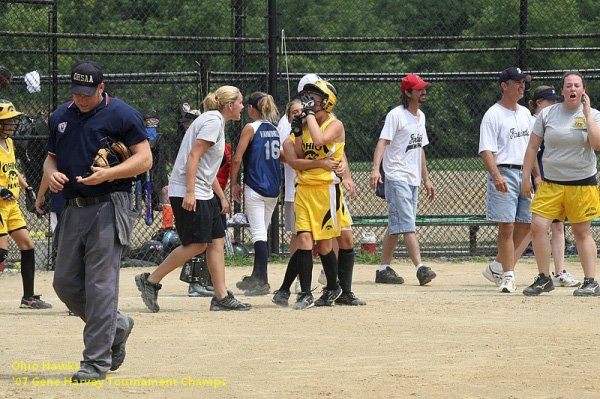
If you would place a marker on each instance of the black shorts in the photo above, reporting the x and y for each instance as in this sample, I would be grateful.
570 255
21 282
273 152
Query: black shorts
200 226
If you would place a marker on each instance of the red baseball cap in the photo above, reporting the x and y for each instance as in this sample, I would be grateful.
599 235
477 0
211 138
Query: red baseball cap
412 82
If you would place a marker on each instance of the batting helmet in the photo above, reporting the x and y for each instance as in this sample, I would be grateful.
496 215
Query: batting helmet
309 78
8 112
171 240
325 90
151 251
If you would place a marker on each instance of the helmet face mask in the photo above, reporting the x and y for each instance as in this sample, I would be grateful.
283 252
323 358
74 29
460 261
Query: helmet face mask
325 91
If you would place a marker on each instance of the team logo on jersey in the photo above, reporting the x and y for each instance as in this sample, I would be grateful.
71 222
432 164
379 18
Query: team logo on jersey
579 123
416 141
62 127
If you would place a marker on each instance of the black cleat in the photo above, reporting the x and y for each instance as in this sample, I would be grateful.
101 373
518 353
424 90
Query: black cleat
149 291
228 303
588 288
281 298
329 296
304 300
348 298
542 283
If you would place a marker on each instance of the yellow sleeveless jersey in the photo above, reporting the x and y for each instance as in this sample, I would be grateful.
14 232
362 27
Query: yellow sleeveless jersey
318 176
8 169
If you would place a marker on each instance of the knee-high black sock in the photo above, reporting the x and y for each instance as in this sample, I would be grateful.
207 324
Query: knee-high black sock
330 266
28 271
305 267
261 258
290 273
346 268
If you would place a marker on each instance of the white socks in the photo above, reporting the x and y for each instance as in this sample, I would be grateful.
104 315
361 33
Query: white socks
383 267
496 267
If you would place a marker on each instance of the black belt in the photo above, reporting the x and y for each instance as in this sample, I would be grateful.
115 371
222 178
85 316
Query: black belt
87 201
506 165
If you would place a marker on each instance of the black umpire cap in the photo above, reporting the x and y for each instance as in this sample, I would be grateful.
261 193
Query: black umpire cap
85 78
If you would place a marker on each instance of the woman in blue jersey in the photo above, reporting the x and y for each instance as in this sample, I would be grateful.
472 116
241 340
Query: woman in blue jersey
258 149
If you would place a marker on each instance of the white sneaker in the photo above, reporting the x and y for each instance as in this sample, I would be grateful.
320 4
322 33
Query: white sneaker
322 278
297 288
508 285
493 276
565 279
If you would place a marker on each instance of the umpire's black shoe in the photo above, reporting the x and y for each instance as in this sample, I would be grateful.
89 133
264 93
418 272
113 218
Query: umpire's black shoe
149 291
348 298
118 350
87 372
388 276
425 275
228 303
542 283
281 298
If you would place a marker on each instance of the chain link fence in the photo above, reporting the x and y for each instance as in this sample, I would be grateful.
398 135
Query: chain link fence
159 55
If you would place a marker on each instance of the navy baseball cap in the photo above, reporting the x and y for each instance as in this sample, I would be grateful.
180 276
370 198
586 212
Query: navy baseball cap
85 78
548 94
513 73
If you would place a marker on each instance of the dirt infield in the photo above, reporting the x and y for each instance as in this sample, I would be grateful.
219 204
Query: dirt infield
457 338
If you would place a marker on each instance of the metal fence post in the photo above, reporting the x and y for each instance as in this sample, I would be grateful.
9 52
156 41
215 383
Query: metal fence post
272 90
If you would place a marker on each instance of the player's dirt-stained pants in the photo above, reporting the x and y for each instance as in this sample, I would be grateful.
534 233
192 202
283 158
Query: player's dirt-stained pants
87 277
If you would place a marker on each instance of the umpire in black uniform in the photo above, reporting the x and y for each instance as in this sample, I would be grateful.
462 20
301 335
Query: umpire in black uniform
98 219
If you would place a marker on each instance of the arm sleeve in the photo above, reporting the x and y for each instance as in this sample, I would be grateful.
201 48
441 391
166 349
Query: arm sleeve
134 129
391 126
539 126
208 131
488 140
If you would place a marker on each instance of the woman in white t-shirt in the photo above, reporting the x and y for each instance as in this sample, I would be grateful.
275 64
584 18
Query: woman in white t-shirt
197 210
571 134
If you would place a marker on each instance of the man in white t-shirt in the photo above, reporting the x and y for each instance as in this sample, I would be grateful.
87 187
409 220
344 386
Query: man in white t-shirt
504 135
400 146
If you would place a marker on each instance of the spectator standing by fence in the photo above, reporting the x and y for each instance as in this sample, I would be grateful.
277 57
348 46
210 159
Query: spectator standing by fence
400 147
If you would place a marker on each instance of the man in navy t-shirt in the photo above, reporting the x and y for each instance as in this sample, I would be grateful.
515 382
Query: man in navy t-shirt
98 218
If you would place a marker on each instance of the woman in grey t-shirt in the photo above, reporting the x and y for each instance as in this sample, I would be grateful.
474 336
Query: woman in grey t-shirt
197 210
571 134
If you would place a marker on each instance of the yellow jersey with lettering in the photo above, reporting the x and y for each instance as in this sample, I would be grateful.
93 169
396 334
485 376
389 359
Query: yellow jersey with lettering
8 169
318 176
